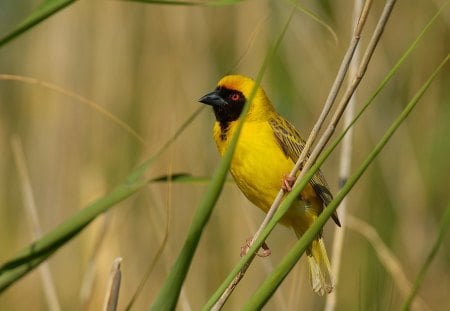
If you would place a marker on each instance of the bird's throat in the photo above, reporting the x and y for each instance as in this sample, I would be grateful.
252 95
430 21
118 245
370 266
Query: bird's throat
224 126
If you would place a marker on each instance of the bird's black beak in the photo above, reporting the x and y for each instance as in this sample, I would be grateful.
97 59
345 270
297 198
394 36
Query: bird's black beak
213 99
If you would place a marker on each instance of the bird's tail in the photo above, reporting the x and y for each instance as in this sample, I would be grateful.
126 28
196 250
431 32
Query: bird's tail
319 268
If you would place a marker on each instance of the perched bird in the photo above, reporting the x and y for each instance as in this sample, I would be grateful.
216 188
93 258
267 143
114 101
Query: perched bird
266 152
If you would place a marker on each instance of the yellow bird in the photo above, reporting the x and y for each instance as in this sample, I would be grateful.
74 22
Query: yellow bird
266 152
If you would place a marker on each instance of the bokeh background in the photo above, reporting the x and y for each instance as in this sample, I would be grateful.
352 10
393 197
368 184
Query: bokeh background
148 65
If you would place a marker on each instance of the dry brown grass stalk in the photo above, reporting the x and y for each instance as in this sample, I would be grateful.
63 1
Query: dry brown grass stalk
33 220
344 173
113 289
78 97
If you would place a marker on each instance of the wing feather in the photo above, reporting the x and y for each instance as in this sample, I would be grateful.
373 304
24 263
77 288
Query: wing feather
292 145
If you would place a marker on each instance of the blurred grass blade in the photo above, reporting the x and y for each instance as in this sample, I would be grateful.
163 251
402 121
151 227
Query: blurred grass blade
90 103
266 290
50 242
30 257
9 277
445 223
189 3
170 291
182 178
46 9
33 220
168 296
141 170
316 18
172 177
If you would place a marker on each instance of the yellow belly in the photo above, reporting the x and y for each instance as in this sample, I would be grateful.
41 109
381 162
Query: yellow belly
258 167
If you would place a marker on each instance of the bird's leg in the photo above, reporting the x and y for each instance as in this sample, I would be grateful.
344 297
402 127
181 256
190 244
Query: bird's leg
265 249
287 183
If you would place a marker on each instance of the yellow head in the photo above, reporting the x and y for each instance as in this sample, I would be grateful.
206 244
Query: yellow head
230 96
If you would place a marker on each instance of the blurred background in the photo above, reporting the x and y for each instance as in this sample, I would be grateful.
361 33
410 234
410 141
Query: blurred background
148 65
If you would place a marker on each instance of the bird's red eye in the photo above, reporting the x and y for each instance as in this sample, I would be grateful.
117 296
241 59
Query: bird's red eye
235 96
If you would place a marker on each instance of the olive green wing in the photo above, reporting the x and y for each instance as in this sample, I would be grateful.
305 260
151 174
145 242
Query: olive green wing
292 145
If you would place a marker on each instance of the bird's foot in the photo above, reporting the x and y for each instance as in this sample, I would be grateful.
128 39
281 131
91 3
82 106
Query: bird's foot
265 249
287 183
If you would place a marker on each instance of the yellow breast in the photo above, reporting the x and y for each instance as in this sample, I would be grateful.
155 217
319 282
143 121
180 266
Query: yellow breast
258 164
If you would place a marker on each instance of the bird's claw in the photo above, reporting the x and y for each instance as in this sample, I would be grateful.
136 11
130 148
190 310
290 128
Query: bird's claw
287 183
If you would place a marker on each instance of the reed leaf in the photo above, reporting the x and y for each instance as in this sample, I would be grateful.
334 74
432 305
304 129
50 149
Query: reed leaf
189 3
42 12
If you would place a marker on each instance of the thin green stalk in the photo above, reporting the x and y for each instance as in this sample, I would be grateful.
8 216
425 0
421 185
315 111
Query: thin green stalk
316 18
445 224
257 244
50 7
46 9
266 290
139 172
67 230
170 291
9 277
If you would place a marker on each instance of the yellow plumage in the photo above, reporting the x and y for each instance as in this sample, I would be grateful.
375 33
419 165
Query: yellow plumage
266 151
